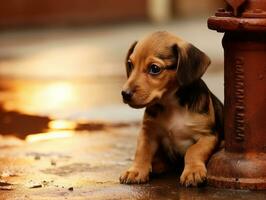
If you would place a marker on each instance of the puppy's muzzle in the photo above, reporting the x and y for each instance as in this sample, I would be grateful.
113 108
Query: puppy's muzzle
127 95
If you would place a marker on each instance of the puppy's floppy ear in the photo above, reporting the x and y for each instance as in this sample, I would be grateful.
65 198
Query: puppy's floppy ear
192 64
130 51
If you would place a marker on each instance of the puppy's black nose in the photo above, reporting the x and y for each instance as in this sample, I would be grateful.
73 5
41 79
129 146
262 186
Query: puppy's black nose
127 95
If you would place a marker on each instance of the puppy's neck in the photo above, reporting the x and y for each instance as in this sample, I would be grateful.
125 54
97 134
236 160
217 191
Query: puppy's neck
169 98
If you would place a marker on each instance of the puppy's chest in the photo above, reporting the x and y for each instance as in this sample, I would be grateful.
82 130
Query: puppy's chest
179 132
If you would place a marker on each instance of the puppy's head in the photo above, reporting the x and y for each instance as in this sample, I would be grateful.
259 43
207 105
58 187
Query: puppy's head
159 64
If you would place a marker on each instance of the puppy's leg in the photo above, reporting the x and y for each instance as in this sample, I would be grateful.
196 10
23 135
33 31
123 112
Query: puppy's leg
139 171
195 171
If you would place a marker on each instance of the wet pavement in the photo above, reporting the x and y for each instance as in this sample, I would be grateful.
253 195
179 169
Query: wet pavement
64 132
87 165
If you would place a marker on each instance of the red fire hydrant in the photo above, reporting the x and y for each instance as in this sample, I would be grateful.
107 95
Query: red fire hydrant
242 163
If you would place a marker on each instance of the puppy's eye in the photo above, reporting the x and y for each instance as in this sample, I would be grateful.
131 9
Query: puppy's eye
130 65
154 69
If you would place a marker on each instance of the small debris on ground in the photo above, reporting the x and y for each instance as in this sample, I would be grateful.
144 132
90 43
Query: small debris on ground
45 183
5 186
36 186
37 157
53 162
71 189
7 173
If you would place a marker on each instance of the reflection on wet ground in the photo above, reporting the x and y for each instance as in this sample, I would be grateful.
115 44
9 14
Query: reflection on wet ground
36 106
57 148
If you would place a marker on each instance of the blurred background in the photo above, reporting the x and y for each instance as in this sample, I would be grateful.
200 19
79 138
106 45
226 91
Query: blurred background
63 61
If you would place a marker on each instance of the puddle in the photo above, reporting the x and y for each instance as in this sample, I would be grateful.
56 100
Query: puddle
45 109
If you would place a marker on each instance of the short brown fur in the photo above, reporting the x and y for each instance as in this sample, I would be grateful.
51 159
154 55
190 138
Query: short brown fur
182 116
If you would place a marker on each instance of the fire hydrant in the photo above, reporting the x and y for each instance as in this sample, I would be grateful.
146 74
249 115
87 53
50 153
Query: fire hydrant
242 162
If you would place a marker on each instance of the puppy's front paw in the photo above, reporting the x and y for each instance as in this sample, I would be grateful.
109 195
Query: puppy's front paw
135 175
193 175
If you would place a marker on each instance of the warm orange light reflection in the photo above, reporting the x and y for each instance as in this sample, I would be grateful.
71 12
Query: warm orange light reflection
62 125
59 98
47 98
59 129
49 136
57 93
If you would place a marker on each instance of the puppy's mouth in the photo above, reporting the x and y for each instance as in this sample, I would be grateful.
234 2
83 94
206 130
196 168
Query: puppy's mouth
137 106
133 104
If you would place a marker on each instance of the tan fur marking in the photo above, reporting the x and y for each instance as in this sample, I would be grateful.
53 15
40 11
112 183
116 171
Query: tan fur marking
139 171
196 156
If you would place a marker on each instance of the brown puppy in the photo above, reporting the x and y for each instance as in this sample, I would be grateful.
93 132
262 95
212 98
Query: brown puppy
182 116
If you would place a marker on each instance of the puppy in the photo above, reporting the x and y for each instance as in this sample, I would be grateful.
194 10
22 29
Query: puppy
182 117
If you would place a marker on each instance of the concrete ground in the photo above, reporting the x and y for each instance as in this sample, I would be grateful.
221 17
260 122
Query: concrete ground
87 166
64 132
